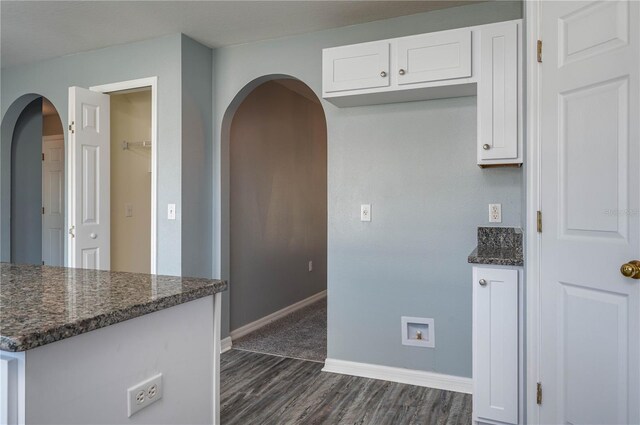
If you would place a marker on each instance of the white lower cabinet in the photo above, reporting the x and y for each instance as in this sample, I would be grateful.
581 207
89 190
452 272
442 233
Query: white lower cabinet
495 345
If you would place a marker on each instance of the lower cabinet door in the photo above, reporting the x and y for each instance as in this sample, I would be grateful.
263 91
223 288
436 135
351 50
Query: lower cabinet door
495 321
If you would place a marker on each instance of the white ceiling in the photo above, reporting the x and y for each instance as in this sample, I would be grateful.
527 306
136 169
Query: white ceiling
35 30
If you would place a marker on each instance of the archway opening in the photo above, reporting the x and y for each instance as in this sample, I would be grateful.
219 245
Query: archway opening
34 165
277 204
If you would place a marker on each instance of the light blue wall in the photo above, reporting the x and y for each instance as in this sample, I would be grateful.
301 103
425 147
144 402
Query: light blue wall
415 163
26 186
197 158
159 57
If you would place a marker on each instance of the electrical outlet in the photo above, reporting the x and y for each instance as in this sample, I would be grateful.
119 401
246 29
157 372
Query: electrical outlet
171 212
143 394
495 213
365 212
310 266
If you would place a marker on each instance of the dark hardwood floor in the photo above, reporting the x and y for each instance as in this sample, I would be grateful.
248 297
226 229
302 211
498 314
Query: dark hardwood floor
263 389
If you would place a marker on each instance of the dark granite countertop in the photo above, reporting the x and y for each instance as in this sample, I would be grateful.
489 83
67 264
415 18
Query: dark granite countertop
499 246
40 304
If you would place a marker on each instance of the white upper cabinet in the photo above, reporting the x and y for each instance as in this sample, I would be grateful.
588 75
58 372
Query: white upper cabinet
499 139
483 61
356 67
433 57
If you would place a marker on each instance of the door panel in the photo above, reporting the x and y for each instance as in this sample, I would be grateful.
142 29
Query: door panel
90 178
356 67
496 335
433 57
590 192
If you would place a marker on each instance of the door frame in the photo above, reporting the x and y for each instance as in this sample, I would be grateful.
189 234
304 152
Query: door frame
137 84
532 187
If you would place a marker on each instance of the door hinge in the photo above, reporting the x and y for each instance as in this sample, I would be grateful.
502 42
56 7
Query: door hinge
72 127
539 393
43 156
539 221
539 50
43 210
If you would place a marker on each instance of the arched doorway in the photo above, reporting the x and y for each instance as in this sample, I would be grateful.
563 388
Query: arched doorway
277 201
33 183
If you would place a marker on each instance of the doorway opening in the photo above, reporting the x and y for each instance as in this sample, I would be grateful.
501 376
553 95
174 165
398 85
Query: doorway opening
278 221
130 188
37 198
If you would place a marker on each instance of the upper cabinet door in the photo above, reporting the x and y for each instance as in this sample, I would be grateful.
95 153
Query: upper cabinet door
433 57
498 106
356 67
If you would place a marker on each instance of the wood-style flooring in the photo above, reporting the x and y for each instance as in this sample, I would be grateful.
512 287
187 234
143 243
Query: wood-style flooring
263 389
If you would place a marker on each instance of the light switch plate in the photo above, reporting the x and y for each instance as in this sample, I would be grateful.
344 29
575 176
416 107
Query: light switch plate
128 210
171 212
365 212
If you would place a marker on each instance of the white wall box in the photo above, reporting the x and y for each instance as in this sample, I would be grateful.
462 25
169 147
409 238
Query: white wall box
496 345
484 60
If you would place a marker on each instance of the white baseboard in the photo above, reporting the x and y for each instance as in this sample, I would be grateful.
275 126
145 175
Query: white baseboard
404 376
250 327
225 345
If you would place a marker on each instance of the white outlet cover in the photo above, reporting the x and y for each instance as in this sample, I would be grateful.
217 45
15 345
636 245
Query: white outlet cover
495 213
365 212
310 266
144 394
171 211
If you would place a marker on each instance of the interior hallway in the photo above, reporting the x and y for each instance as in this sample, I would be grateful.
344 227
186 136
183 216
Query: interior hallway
299 335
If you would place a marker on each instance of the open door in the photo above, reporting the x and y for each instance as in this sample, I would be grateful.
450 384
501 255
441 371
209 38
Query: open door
89 211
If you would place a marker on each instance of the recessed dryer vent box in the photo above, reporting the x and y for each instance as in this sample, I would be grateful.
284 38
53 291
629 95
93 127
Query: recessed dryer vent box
418 332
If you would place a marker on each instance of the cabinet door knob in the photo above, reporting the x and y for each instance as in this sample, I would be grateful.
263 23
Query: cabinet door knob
383 74
486 147
482 282
402 71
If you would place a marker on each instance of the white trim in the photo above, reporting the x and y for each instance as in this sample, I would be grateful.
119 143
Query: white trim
250 327
404 376
225 345
532 249
134 84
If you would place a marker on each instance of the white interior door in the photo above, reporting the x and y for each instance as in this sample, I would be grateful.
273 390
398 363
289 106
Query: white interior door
53 200
89 177
590 186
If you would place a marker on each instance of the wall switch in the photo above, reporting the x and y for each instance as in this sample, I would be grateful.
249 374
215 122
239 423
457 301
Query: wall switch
495 213
310 266
128 210
143 394
171 212
365 212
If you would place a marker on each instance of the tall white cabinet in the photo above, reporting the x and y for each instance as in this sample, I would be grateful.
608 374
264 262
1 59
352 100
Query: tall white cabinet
483 61
496 345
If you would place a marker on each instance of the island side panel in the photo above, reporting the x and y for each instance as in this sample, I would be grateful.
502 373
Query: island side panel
84 379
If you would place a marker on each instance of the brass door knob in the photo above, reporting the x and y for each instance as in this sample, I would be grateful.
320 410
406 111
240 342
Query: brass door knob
631 269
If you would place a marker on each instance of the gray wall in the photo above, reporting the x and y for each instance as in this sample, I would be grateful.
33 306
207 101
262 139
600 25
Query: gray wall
278 201
26 186
159 57
415 163
197 157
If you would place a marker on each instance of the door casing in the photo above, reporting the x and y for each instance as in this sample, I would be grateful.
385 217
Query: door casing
136 84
